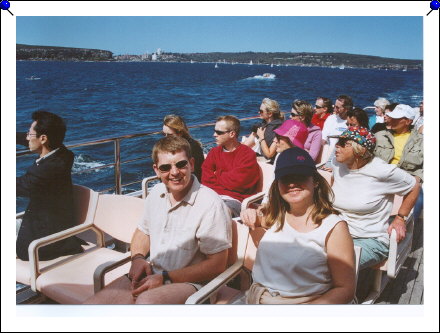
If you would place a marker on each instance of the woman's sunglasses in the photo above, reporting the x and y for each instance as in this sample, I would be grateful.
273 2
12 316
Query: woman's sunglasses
342 142
167 167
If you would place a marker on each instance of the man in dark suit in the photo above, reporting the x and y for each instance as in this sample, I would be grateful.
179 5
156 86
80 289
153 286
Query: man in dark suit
48 184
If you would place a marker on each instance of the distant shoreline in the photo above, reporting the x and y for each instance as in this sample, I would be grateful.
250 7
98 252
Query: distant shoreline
298 59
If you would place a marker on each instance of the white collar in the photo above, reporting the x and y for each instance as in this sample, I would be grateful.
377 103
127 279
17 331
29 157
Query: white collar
47 155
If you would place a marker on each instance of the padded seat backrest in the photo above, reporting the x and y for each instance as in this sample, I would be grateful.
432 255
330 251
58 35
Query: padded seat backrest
84 202
119 215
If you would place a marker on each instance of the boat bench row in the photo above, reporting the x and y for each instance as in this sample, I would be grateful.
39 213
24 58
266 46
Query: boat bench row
73 279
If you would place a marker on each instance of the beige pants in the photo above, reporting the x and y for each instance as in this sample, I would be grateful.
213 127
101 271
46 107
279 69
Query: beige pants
258 294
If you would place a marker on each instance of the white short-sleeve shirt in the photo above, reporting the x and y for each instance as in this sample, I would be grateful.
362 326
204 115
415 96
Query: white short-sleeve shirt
365 196
183 234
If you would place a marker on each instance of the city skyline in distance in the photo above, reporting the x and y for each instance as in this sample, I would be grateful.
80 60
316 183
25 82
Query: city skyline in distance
377 36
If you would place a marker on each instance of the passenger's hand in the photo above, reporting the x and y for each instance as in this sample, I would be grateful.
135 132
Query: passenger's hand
324 168
249 217
139 269
399 225
148 282
260 132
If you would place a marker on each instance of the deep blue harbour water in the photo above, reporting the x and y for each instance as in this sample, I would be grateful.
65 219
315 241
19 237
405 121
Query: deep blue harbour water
107 99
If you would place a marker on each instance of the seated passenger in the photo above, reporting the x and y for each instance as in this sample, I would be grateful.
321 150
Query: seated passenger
48 185
272 118
186 229
357 117
231 168
291 133
307 254
337 122
323 109
379 107
302 111
175 125
364 188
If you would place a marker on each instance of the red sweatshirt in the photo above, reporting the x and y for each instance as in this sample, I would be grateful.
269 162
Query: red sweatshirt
235 174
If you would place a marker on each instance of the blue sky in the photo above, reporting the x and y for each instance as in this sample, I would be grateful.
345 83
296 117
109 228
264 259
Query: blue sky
391 36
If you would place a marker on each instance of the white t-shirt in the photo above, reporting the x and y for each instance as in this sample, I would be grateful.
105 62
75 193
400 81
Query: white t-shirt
365 196
333 125
379 119
294 264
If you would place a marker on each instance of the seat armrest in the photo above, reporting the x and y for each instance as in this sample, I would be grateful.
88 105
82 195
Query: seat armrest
145 182
206 291
41 242
101 270
253 198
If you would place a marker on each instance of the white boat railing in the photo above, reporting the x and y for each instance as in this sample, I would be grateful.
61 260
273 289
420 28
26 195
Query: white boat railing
117 164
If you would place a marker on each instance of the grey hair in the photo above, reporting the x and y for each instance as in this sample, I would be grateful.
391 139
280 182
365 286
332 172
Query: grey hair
381 103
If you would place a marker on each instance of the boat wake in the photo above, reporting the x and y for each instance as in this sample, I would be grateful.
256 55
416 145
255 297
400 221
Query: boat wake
265 76
83 162
32 78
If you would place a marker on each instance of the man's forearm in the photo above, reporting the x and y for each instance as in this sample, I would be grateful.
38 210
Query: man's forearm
140 243
202 271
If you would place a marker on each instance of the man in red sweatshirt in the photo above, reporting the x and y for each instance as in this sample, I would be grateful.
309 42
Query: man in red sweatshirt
231 168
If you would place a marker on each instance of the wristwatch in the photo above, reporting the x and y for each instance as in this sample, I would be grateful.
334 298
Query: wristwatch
403 217
166 277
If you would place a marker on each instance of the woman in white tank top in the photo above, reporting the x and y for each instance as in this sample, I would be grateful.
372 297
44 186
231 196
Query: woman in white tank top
307 254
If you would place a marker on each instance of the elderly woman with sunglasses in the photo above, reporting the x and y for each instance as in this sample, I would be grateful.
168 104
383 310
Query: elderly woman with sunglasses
307 254
364 188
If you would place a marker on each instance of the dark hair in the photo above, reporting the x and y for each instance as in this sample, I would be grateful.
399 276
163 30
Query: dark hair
346 100
391 106
255 127
360 115
327 103
51 125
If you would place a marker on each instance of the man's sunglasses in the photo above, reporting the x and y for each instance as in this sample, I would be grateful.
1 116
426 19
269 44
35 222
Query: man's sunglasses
221 132
167 167
318 106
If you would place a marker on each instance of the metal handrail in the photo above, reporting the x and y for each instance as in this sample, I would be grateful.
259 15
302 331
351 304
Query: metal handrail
117 153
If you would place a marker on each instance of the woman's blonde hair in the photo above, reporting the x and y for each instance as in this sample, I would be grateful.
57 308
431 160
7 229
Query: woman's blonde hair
304 109
273 107
275 210
177 124
360 151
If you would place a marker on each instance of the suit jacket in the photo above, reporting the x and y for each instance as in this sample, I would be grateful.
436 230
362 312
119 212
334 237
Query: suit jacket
48 185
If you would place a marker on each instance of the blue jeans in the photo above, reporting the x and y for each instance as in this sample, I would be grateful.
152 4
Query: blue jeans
419 205
373 251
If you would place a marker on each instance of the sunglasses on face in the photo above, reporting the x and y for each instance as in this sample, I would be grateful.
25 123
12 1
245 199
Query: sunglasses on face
221 132
318 106
167 167
293 114
261 111
342 142
294 179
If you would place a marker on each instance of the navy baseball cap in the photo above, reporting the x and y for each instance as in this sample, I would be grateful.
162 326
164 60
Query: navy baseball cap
294 161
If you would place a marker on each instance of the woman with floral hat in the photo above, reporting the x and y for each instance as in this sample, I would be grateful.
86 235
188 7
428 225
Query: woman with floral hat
364 188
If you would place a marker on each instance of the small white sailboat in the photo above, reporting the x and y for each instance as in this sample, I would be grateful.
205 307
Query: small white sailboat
250 63
342 66
271 65
216 66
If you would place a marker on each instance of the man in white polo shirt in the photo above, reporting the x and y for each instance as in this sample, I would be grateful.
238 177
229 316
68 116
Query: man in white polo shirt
337 122
186 229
